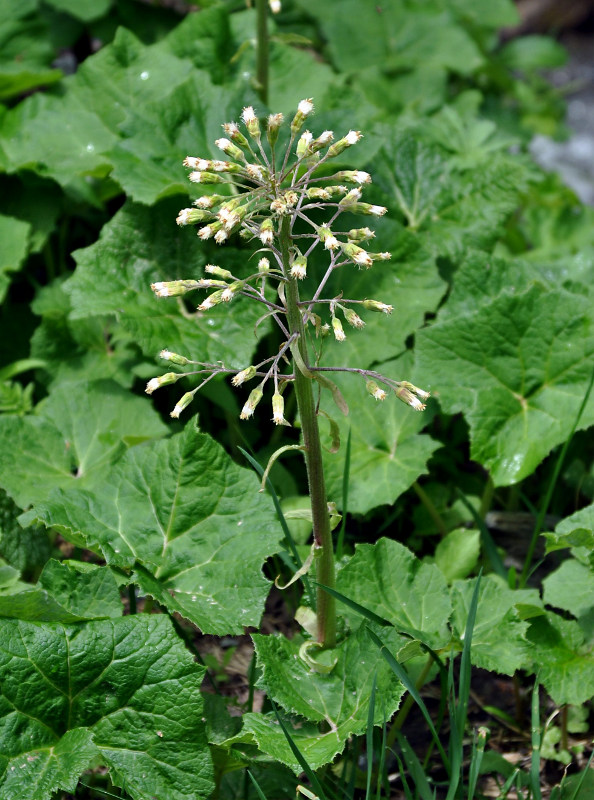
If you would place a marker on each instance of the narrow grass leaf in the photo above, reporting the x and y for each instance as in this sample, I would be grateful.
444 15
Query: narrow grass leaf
317 787
404 678
256 786
415 769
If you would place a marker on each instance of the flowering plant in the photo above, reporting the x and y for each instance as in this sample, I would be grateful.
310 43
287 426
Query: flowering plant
277 199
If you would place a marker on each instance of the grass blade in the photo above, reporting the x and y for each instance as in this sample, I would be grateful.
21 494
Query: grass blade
404 678
315 784
415 769
256 785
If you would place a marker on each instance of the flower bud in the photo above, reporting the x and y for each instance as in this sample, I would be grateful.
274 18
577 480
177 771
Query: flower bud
162 380
229 148
206 177
266 232
275 6
209 230
368 208
200 164
173 288
357 254
255 172
233 132
375 305
353 318
380 256
251 403
212 269
250 120
350 199
303 144
225 166
245 375
299 267
188 216
230 292
420 392
273 126
317 193
321 141
278 409
409 398
212 300
375 391
352 176
278 206
361 234
304 109
174 358
327 237
339 333
263 266
209 200
184 402
350 139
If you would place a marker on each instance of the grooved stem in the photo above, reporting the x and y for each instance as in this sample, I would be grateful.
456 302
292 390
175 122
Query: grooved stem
326 606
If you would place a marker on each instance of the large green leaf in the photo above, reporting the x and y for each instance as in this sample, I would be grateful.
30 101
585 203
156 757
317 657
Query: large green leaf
26 49
450 207
84 10
339 698
389 580
499 636
136 109
190 517
394 35
143 245
563 655
66 592
72 439
124 690
14 244
518 368
387 451
577 532
79 349
570 587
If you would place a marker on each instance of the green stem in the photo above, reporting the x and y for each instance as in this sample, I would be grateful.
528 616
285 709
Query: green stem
326 604
487 497
262 49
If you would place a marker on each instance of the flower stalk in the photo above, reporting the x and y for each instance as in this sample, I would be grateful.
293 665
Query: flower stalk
325 573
